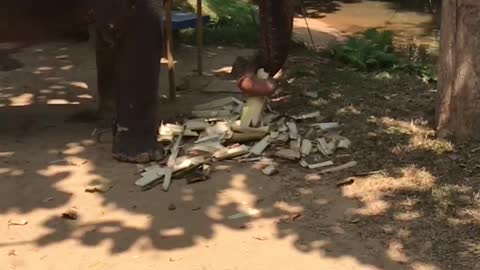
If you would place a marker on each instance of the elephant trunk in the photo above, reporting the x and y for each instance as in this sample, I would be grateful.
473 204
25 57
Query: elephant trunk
276 17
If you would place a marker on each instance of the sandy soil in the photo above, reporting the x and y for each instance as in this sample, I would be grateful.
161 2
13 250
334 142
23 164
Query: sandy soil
125 228
48 156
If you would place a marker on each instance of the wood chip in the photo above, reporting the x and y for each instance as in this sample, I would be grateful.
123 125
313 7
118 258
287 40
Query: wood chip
320 165
306 148
303 163
370 173
292 130
259 147
211 138
311 134
231 152
340 168
288 154
282 127
186 163
170 129
167 179
344 143
171 163
19 222
190 133
326 126
221 129
207 169
207 147
324 147
150 176
274 134
270 170
269 118
282 138
197 124
307 116
296 145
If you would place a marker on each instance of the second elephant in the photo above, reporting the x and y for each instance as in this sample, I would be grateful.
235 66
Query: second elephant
128 52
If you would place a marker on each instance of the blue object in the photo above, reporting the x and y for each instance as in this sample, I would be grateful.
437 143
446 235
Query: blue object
184 20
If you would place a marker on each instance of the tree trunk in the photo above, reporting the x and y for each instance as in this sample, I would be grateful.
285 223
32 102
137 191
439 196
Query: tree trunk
458 108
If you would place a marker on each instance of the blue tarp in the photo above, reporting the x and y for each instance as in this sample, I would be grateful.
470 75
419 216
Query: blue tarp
184 20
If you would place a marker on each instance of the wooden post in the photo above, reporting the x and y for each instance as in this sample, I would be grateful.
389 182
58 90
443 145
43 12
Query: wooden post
199 29
171 64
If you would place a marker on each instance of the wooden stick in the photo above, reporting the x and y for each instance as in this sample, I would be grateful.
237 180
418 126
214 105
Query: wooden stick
171 69
199 37
339 168
171 163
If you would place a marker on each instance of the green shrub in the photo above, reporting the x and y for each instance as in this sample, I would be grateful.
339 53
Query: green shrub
374 50
369 51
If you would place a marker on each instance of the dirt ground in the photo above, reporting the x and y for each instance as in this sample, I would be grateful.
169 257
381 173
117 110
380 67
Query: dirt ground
414 202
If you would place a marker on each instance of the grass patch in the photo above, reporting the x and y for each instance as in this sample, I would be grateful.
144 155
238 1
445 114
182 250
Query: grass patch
375 187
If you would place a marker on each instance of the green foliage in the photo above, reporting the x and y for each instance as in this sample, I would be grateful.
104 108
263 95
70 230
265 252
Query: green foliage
373 50
232 22
426 73
369 51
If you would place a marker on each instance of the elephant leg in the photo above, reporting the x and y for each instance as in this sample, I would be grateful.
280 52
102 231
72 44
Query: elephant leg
105 54
135 83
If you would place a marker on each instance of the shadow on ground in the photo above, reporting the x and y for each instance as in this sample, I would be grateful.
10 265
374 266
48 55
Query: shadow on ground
422 209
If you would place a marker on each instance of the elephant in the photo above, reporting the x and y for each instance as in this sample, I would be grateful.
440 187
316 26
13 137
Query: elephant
128 52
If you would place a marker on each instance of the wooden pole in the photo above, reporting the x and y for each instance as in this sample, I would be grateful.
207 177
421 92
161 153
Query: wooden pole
171 64
199 37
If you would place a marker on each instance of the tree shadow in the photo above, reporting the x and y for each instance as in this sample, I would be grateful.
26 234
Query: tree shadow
395 220
427 189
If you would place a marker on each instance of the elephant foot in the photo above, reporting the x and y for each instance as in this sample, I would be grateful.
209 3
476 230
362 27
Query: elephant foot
106 106
136 149
104 119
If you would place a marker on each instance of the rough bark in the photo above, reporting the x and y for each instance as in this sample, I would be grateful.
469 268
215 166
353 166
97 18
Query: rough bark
458 108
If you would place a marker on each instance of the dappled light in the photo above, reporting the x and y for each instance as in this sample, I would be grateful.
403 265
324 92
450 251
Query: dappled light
50 79
411 202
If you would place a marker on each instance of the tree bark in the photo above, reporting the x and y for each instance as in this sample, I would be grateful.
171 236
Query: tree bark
458 108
